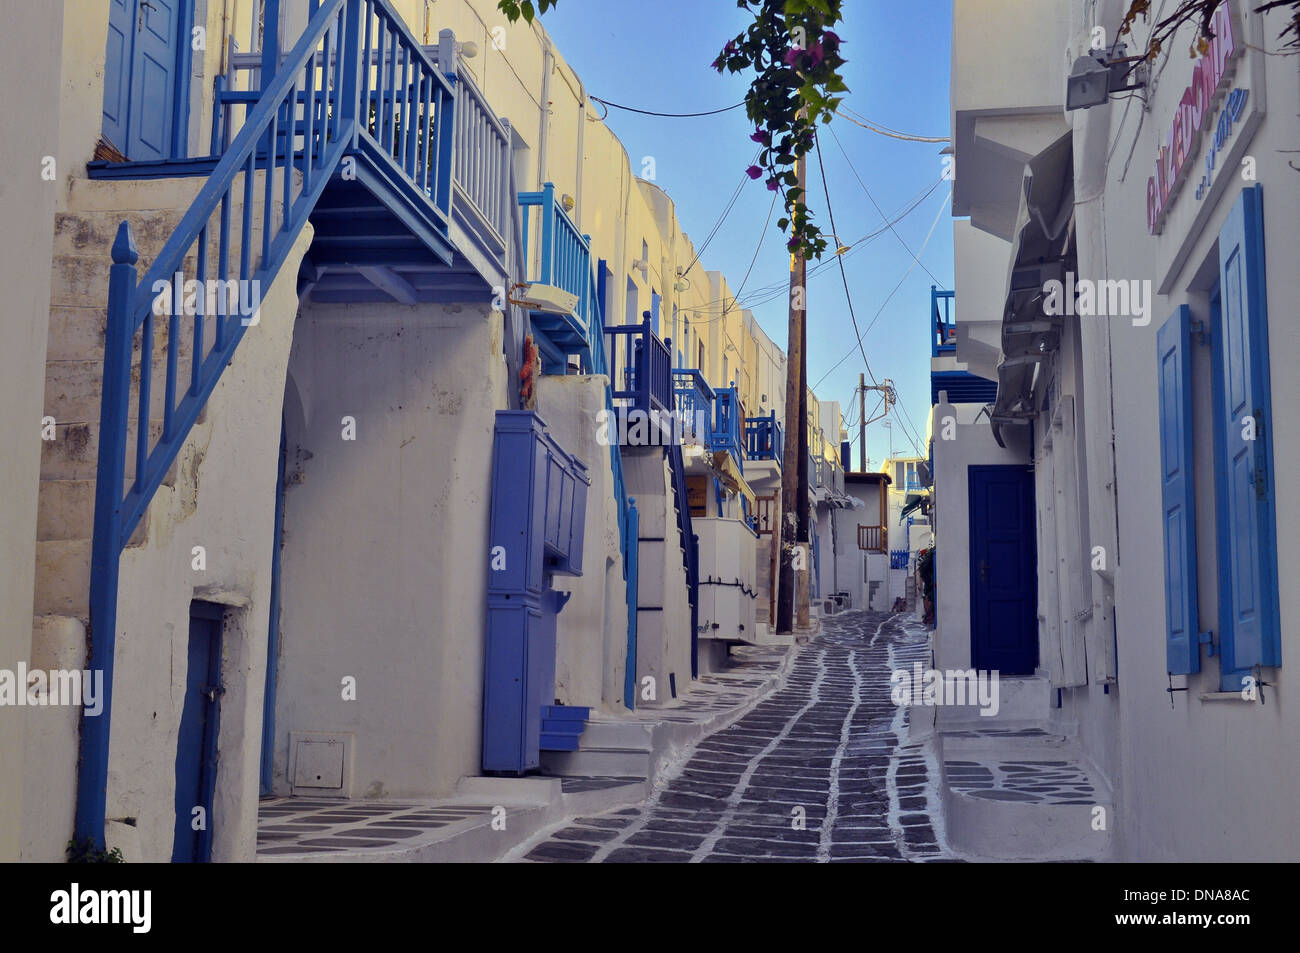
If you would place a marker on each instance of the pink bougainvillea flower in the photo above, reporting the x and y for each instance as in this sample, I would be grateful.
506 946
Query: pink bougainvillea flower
753 172
773 184
792 55
831 38
817 53
762 136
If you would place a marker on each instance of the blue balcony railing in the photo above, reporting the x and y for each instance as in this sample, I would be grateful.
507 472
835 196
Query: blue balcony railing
694 399
728 424
943 323
641 366
764 439
563 260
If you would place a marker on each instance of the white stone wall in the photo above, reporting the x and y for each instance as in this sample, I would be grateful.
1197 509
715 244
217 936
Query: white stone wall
973 445
385 556
591 634
29 60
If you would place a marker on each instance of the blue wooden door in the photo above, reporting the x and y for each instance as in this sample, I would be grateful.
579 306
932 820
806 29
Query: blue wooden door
141 72
1004 590
196 745
1246 494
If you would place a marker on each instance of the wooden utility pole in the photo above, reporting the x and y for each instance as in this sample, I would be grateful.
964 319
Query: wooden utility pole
794 463
862 427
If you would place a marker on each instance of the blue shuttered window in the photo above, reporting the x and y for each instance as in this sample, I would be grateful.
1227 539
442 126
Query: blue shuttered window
1245 494
1177 494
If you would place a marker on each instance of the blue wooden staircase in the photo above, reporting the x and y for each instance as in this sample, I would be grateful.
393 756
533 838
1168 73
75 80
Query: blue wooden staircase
357 110
562 726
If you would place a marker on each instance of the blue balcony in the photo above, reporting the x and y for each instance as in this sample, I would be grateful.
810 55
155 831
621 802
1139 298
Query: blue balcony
728 425
694 399
640 366
765 439
943 324
559 284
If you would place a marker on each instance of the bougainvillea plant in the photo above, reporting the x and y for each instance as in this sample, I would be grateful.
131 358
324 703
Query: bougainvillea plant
1200 12
794 54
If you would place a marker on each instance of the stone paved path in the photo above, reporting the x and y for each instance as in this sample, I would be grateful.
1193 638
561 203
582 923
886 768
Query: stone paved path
819 771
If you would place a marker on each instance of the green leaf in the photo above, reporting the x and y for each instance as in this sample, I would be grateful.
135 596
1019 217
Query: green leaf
526 8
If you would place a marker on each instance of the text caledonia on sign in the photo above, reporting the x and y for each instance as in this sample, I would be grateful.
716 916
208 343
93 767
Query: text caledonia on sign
1194 112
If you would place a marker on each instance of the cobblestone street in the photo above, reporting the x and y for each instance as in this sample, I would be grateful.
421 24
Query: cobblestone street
819 771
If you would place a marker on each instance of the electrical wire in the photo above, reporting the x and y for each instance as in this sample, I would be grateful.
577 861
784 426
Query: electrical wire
721 218
878 209
830 212
845 113
766 293
651 112
892 293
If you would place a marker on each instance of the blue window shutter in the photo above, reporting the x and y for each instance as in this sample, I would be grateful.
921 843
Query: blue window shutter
654 312
1247 472
1177 494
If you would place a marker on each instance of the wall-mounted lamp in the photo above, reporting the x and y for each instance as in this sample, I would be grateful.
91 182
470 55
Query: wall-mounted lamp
1095 76
567 201
468 49
681 284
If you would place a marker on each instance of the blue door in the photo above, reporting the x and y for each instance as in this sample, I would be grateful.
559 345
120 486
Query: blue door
144 59
196 746
1003 587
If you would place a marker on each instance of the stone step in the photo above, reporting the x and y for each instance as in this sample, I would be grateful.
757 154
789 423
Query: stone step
66 510
598 762
74 389
90 234
63 578
74 452
625 735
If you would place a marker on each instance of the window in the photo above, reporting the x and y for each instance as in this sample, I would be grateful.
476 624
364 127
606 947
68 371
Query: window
633 316
1241 488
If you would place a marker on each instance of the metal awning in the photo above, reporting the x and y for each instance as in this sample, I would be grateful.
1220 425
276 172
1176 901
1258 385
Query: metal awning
725 467
1041 239
914 502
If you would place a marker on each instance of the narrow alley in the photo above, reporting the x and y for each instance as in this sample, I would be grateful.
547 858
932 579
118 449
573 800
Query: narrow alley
821 770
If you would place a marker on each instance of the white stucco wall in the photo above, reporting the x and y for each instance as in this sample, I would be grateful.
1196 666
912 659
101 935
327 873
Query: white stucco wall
30 51
385 542
1243 807
591 632
972 445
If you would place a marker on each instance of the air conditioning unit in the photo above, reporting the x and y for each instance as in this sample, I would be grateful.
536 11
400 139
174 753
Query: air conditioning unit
549 298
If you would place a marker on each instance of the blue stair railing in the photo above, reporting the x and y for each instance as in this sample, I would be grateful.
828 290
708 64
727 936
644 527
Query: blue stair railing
764 438
690 548
306 118
624 505
694 399
729 425
641 366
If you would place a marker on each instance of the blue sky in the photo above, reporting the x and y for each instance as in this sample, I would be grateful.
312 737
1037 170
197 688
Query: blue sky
656 55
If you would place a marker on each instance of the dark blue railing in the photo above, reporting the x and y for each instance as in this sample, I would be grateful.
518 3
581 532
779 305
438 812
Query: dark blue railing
694 399
728 424
943 325
305 119
641 366
764 438
625 505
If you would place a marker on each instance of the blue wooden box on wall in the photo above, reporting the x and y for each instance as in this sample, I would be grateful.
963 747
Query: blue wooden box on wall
539 506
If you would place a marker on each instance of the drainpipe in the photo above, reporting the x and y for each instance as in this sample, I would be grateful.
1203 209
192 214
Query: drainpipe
582 135
548 63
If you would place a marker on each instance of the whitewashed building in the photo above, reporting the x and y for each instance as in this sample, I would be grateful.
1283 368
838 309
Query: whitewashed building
302 523
1113 520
